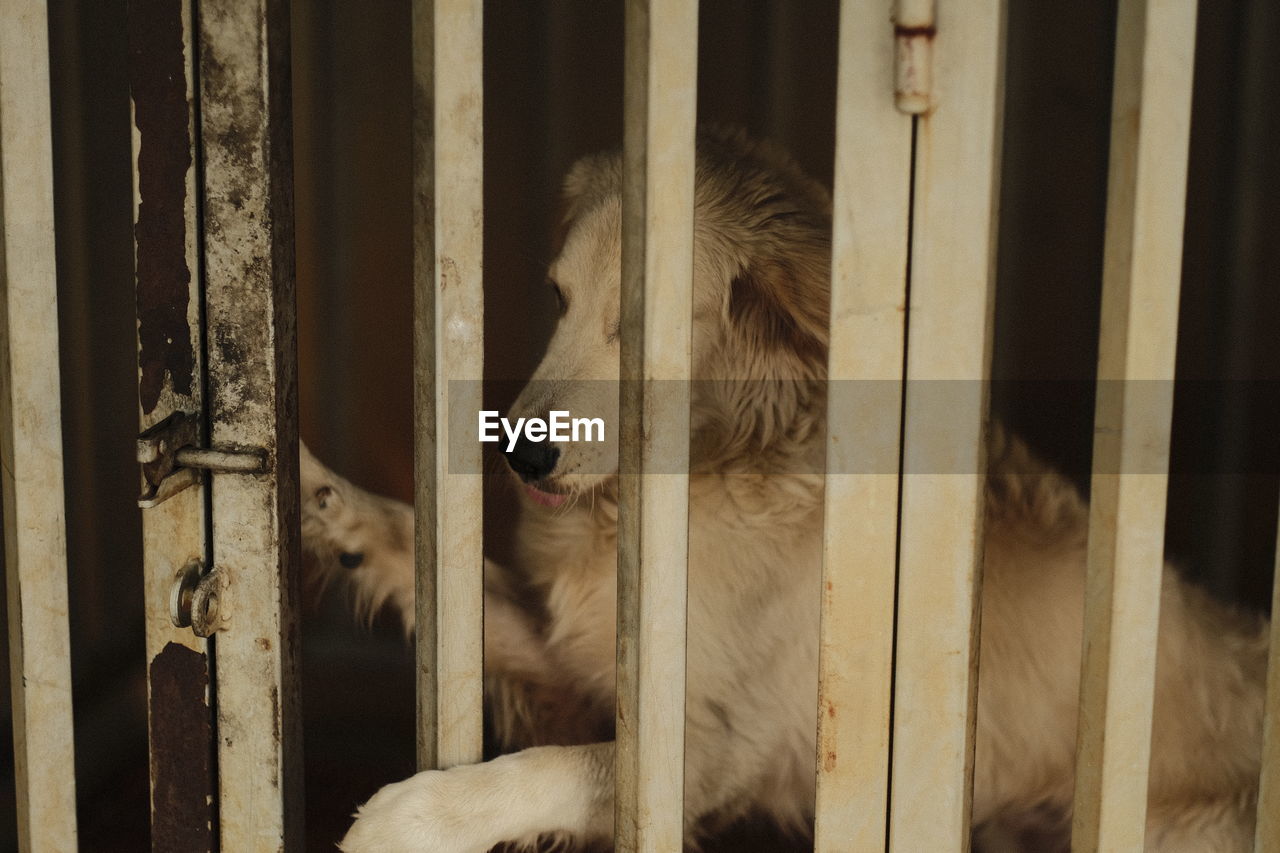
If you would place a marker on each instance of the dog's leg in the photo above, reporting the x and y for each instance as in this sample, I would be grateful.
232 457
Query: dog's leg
564 791
369 539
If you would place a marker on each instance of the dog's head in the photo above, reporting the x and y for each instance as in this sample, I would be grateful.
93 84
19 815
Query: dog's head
761 296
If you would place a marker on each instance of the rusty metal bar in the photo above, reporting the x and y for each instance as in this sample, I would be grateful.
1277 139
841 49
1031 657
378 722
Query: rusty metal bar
868 294
458 165
957 161
660 99
425 446
174 534
252 403
1146 192
31 441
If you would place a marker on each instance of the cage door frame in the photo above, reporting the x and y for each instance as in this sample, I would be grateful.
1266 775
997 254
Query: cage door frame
869 243
247 225
170 381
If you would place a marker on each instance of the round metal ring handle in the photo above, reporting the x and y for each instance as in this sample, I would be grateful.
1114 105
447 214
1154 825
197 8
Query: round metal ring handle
184 588
205 616
195 601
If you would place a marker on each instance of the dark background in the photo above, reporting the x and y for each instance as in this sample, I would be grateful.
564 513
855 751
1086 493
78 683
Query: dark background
553 92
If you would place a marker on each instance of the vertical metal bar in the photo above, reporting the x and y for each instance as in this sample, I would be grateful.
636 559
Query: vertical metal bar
660 102
458 41
180 722
957 160
1150 125
248 230
31 440
868 320
1267 832
425 446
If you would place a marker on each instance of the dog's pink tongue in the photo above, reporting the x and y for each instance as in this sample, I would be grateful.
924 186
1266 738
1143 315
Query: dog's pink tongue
544 498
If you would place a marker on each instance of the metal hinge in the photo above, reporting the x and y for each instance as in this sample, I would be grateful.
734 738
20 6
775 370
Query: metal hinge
171 460
914 29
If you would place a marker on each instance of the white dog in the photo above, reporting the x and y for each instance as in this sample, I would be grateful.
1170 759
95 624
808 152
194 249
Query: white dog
760 317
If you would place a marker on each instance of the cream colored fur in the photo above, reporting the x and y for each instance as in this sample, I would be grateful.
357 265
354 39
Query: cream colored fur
755 533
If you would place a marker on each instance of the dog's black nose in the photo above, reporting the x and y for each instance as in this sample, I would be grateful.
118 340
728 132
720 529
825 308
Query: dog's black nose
532 460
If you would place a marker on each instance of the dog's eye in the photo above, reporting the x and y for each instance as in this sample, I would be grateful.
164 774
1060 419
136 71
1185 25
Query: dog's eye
560 300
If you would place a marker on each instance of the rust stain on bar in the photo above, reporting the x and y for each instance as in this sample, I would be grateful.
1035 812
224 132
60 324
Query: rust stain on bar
181 757
161 113
915 32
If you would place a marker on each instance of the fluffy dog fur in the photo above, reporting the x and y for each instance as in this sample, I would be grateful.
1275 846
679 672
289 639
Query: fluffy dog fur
760 314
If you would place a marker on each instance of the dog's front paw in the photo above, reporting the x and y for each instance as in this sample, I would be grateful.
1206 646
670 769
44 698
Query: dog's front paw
423 814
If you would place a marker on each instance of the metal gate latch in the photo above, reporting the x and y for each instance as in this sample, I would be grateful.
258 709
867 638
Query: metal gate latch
171 460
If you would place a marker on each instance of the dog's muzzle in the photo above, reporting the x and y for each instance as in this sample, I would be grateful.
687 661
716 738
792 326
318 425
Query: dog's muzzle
532 460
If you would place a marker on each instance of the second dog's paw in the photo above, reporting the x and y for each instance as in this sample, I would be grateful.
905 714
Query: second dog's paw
423 814
366 538
326 516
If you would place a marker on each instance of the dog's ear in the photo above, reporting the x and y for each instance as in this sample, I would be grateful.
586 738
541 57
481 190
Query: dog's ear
782 307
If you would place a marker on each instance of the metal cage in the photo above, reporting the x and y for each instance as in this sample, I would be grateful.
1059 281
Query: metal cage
915 203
